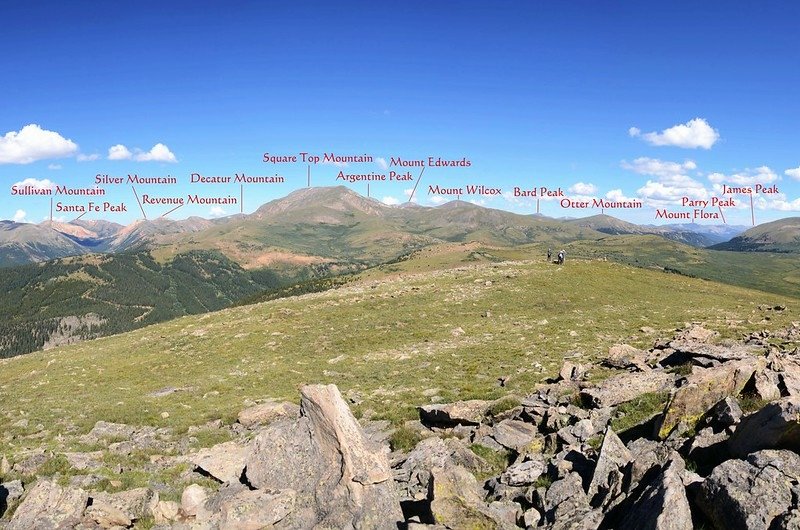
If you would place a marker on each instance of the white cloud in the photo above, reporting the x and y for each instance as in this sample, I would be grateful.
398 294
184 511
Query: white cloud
217 211
690 135
437 199
581 188
658 168
783 205
794 173
391 201
119 152
32 143
88 158
749 177
657 193
54 166
671 183
618 196
19 216
43 184
478 202
158 153
384 165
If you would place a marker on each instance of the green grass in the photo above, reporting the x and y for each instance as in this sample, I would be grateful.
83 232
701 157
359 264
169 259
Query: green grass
751 403
771 272
503 405
638 410
498 460
388 338
404 439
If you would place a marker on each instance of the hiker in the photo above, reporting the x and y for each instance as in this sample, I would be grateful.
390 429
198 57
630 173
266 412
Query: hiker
549 254
561 257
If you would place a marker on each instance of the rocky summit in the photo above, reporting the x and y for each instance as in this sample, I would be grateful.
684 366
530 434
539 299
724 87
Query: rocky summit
691 433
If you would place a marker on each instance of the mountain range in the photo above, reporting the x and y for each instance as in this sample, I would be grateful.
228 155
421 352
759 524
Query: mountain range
782 235
70 281
328 224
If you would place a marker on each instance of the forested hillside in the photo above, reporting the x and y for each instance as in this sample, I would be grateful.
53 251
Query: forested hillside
71 299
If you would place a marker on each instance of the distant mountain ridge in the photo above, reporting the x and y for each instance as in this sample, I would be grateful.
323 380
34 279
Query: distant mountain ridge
782 235
696 235
327 223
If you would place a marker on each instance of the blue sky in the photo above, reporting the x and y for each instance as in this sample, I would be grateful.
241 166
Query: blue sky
533 94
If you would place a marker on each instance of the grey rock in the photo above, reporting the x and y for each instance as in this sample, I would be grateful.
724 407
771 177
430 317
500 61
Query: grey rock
531 517
85 461
584 429
470 412
696 333
571 371
414 475
787 521
524 473
340 478
663 505
610 471
49 506
518 436
253 510
104 430
165 512
790 377
30 465
624 356
625 387
505 513
777 425
193 501
264 413
647 454
708 448
122 508
708 355
726 413
565 499
225 462
752 493
9 492
766 385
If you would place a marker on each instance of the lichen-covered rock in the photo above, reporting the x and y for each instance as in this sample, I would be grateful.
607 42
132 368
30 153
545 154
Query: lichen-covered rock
705 388
457 502
414 474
